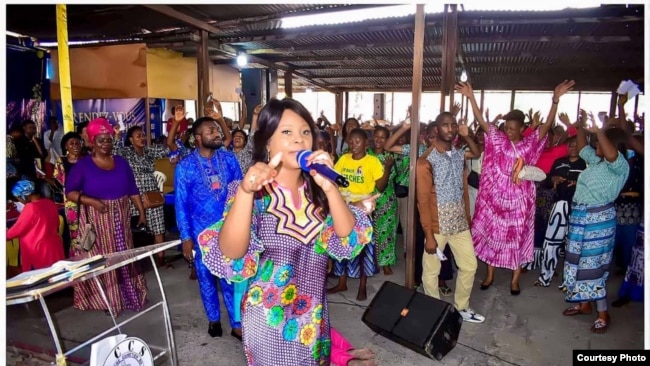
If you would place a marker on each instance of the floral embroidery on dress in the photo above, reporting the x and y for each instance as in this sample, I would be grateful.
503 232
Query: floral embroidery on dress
351 245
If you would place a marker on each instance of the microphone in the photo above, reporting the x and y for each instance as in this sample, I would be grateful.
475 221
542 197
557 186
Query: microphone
321 169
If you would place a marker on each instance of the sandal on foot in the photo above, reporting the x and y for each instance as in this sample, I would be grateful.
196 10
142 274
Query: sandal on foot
600 326
445 291
575 310
539 283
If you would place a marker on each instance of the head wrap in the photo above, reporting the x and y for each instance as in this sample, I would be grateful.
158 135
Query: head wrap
23 189
98 126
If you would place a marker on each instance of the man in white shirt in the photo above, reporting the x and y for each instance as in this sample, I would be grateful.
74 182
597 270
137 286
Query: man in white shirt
52 141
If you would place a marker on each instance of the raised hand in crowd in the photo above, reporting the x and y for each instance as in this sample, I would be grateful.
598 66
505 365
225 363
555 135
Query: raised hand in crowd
455 109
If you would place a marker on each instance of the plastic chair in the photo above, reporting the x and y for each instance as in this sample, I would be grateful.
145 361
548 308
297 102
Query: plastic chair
161 178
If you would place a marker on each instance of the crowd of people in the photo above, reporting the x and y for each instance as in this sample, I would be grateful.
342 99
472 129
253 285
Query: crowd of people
518 192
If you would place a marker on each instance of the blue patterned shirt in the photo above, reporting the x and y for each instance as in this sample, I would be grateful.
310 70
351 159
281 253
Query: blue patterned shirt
201 188
602 181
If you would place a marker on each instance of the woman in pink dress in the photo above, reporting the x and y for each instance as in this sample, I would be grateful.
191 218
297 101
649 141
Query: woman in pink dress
37 228
502 227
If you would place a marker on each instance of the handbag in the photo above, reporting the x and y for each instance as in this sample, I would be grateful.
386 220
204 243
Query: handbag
87 235
153 199
521 171
401 191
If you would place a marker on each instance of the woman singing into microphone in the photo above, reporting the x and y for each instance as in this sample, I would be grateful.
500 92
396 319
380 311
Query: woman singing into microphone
278 234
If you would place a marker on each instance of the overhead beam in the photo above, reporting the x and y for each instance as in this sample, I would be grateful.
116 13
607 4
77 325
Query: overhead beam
469 19
175 14
332 47
219 46
547 51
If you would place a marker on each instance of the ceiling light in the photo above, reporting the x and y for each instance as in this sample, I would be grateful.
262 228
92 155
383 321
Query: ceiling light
242 59
463 76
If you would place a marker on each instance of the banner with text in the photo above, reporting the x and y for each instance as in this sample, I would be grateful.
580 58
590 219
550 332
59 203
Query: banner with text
131 111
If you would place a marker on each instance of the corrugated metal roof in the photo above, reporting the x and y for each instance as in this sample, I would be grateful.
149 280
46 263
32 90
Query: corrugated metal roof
500 49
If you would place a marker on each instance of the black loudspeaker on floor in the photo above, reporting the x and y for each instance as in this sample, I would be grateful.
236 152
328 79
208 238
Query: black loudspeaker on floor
419 322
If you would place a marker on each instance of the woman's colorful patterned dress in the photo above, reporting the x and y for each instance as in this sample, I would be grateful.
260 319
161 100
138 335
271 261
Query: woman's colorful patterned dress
70 207
502 227
385 218
284 314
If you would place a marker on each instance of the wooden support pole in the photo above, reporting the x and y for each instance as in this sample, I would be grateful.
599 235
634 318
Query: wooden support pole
482 102
147 120
579 102
612 104
418 60
512 99
64 68
339 108
288 83
346 106
392 108
636 108
203 73
467 110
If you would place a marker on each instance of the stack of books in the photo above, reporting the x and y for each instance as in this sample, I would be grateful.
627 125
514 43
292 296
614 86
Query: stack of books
60 271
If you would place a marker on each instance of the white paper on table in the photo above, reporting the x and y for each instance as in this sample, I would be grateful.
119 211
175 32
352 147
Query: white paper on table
100 350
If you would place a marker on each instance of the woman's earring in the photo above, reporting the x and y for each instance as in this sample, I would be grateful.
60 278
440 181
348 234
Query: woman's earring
268 156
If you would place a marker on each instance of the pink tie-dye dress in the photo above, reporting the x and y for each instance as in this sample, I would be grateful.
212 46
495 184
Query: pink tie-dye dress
502 227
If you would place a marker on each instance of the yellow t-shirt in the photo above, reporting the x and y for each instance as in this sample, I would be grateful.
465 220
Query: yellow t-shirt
362 175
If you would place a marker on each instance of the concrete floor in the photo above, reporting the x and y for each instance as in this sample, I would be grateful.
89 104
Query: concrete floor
525 330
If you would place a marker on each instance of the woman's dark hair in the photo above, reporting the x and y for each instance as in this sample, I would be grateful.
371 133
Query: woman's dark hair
618 138
67 137
81 126
239 130
344 130
267 123
382 128
129 134
359 132
326 136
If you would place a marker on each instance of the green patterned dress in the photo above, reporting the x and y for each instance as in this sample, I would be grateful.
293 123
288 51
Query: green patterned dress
385 218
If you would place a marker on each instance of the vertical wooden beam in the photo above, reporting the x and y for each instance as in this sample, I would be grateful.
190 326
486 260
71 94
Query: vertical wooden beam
339 108
443 66
450 50
482 102
346 106
467 109
203 68
462 106
612 104
418 60
512 99
64 68
579 102
392 108
288 83
147 120
636 107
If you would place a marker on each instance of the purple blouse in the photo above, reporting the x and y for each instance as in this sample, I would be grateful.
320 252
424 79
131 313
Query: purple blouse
92 181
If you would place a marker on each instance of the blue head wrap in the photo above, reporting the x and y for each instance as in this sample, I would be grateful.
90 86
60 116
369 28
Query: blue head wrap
23 188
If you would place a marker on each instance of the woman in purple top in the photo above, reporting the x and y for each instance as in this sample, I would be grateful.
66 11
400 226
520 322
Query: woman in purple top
104 184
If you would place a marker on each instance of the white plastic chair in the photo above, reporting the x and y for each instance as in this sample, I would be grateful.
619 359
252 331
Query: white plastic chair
161 178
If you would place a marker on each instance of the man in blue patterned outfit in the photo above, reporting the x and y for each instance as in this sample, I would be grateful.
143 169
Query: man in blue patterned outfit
201 187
